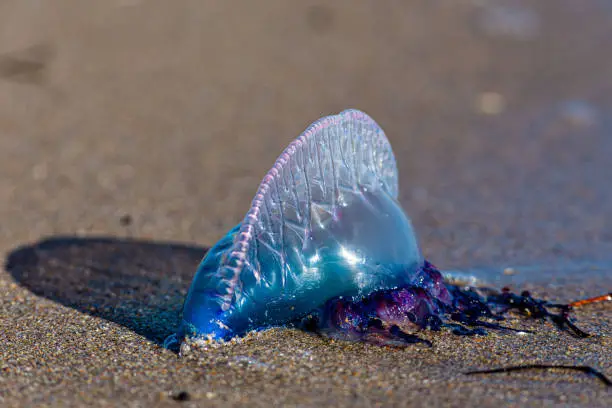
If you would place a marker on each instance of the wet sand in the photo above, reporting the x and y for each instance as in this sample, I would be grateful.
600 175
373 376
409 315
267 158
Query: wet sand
134 134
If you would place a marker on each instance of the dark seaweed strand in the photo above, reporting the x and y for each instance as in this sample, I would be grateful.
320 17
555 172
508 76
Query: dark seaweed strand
585 369
597 299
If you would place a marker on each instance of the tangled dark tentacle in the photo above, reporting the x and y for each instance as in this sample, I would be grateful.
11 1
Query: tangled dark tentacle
389 316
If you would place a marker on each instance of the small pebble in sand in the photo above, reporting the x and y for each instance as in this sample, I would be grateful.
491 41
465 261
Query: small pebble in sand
40 171
125 220
181 396
509 271
579 113
490 103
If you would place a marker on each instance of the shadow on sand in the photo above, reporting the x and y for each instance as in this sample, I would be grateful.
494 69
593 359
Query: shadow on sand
135 283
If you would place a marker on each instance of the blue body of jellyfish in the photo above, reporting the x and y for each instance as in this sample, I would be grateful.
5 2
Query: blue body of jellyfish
325 223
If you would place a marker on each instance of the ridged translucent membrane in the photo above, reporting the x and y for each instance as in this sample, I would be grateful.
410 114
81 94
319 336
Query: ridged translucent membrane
325 222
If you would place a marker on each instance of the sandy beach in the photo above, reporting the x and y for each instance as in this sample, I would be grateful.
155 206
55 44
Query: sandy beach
134 133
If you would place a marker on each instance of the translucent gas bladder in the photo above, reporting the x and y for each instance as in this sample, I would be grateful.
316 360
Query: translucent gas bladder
325 222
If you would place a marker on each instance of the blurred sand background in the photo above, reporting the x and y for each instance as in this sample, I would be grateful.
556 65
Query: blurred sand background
168 114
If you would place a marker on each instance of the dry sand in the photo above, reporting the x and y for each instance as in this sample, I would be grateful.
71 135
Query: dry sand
499 113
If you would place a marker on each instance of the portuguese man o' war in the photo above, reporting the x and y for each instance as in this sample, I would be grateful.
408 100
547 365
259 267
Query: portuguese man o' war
327 247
